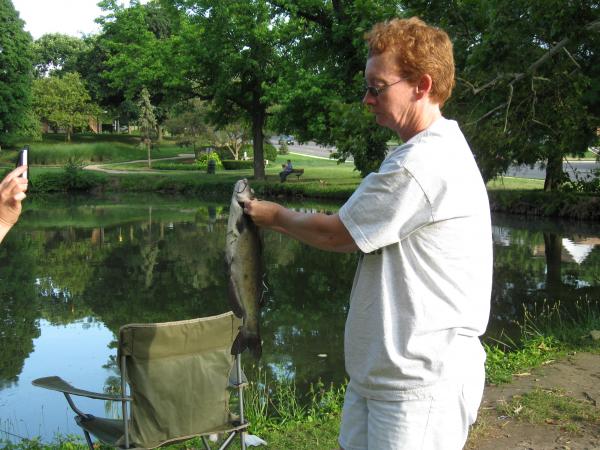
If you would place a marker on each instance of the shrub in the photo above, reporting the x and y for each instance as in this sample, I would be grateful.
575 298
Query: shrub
270 152
202 160
160 165
283 149
232 164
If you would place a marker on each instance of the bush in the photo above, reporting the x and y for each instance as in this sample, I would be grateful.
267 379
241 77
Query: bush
589 184
283 149
160 165
232 164
270 152
202 160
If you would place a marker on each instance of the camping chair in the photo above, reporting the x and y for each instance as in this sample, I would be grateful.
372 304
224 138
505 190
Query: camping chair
178 375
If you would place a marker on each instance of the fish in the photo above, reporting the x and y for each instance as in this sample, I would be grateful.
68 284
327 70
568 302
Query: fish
243 255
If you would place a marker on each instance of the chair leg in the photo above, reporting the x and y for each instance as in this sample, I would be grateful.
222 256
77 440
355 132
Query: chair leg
88 440
228 440
206 446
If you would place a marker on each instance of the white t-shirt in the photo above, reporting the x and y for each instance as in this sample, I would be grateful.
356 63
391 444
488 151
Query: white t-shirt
421 293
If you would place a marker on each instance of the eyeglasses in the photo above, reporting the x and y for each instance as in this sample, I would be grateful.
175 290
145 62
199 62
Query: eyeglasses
376 91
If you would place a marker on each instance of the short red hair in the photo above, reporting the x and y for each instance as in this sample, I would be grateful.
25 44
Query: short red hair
419 49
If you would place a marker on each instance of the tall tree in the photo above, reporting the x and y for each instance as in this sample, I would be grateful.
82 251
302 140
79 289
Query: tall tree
147 122
143 50
234 59
528 95
15 71
319 94
64 102
56 52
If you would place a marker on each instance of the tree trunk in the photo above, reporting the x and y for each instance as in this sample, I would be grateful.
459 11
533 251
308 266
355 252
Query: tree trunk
258 122
554 172
159 133
149 147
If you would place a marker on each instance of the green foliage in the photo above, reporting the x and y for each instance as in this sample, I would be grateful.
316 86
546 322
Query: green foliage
15 71
159 165
547 331
507 359
147 119
358 135
63 101
203 158
57 53
318 94
71 178
283 149
589 184
276 405
270 151
237 164
234 58
525 96
142 49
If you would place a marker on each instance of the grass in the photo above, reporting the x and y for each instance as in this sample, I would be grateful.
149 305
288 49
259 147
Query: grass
513 183
551 406
548 332
87 148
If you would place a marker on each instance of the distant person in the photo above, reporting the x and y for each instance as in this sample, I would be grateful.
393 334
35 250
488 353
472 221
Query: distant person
421 294
12 192
287 169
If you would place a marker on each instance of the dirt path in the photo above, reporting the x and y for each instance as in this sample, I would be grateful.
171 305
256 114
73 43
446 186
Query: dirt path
105 167
577 377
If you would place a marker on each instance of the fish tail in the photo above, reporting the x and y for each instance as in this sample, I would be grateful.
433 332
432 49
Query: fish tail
245 341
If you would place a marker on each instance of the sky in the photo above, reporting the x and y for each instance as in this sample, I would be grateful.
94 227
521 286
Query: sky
72 17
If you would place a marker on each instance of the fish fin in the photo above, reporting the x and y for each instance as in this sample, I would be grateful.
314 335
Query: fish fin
239 344
240 224
234 300
264 292
245 341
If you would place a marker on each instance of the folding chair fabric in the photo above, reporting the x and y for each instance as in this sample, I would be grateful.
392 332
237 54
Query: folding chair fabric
178 373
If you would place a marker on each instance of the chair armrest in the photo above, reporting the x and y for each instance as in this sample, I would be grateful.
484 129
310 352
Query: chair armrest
60 385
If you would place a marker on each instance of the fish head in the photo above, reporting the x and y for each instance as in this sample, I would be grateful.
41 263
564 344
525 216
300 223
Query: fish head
242 191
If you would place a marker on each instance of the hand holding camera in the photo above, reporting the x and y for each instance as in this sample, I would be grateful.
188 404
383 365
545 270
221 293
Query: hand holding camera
12 192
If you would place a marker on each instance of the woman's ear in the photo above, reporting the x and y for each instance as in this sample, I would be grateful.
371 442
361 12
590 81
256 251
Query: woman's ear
424 85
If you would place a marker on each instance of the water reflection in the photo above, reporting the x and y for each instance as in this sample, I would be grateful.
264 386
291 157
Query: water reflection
80 270
537 260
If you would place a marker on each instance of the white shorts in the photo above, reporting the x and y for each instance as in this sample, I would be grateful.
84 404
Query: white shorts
428 419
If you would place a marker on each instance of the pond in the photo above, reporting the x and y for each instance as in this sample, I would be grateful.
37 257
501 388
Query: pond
74 270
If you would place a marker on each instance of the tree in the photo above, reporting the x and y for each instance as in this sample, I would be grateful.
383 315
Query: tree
321 86
147 122
56 52
15 71
234 58
64 102
143 50
232 136
529 95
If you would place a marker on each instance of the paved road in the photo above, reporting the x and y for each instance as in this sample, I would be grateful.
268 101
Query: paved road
573 168
582 169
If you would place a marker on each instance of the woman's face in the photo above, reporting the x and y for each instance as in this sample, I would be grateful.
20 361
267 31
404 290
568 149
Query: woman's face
395 106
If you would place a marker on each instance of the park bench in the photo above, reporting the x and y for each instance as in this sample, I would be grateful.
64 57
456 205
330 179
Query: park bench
297 172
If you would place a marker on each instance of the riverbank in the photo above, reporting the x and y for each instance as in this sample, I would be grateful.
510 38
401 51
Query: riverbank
542 392
519 196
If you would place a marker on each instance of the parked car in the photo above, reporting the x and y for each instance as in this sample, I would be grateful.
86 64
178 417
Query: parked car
286 139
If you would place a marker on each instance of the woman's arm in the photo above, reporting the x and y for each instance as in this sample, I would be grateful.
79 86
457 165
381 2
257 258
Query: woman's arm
326 232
